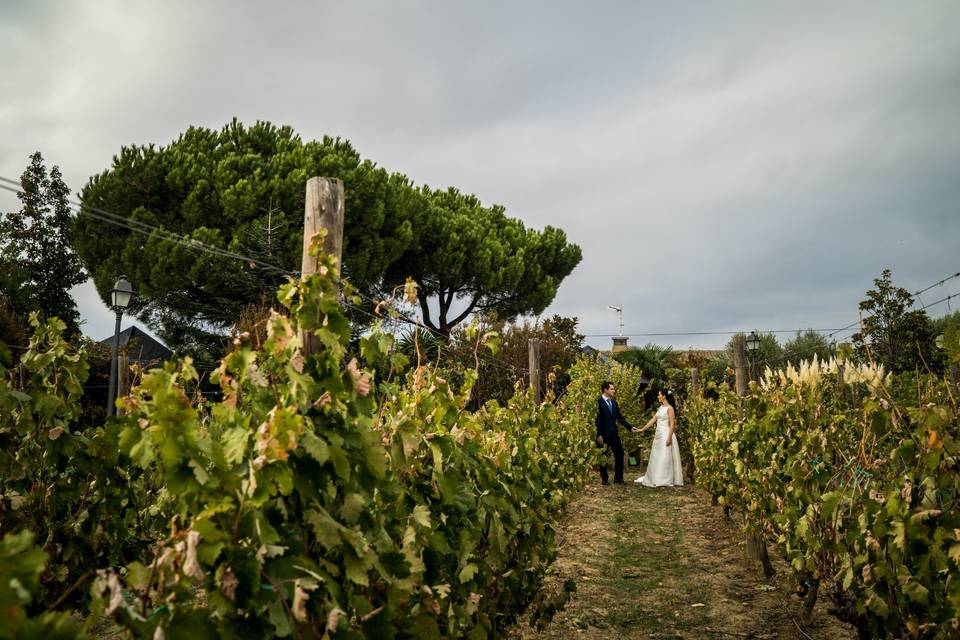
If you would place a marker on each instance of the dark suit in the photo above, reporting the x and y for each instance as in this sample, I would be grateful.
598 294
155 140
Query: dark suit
607 418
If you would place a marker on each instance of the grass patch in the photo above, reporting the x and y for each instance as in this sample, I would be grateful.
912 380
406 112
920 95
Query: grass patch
663 563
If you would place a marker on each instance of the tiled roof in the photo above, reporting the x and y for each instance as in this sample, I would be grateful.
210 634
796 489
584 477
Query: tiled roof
141 346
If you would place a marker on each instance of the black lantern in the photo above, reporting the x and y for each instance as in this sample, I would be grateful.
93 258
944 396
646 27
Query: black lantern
119 298
121 294
753 344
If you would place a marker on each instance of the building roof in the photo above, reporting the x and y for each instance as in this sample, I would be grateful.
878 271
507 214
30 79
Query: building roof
140 346
590 351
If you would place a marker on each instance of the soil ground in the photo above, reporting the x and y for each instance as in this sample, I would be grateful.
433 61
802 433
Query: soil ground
665 563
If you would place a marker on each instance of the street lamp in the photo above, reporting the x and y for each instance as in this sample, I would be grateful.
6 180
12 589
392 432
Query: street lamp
119 299
753 343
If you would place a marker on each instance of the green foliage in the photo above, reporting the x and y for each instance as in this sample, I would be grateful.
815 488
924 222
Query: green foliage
586 376
769 353
422 345
11 332
941 324
463 251
60 481
21 565
242 189
37 264
315 500
947 330
857 488
651 359
891 333
560 346
719 368
807 345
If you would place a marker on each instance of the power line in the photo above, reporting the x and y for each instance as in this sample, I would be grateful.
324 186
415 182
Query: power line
698 333
940 301
196 245
144 228
915 296
150 230
937 284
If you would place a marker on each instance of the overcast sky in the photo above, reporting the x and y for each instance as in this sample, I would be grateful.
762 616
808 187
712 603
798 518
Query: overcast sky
723 166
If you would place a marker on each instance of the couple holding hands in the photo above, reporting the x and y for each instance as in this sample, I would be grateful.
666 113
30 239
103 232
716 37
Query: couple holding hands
663 468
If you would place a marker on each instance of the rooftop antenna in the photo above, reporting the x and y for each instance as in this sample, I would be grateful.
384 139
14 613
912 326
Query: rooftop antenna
619 310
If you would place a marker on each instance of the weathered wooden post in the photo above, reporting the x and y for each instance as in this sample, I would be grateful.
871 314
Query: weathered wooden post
534 366
740 365
694 383
323 209
756 548
740 384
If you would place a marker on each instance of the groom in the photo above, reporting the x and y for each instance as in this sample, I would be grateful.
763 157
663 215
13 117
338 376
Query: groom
608 415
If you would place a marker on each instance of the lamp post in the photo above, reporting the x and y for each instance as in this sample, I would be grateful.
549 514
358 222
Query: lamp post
119 299
753 343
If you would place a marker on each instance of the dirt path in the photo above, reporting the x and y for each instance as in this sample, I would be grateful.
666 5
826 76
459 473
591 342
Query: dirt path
663 563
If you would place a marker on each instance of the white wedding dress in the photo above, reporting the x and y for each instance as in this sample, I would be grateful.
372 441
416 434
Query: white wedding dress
663 469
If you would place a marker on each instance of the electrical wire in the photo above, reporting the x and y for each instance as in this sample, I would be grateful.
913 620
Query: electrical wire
144 228
153 231
697 333
915 296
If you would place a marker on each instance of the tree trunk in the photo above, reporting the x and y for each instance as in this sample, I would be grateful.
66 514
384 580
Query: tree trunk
757 552
810 600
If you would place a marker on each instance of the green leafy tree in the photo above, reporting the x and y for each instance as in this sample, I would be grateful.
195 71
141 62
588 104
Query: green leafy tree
719 368
893 334
239 189
11 332
242 189
805 345
943 323
947 332
37 264
651 359
560 347
476 256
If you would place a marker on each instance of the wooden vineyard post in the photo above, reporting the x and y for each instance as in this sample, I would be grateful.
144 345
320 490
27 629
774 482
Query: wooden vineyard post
740 364
694 397
739 370
534 366
323 209
756 547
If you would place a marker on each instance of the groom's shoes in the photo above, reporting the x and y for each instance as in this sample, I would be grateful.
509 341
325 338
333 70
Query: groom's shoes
618 481
604 482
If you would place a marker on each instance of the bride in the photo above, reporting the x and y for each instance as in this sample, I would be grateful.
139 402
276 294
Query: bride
663 469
